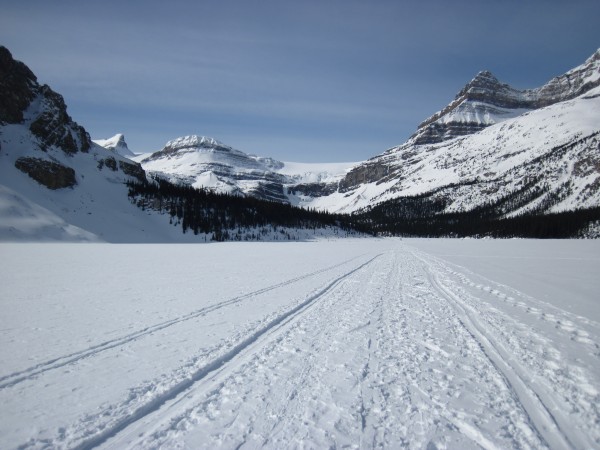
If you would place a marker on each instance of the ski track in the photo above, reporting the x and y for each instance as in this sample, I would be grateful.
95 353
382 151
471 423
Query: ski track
14 378
184 386
511 349
400 350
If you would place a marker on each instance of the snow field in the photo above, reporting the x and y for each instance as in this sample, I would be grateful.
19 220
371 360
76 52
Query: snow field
359 343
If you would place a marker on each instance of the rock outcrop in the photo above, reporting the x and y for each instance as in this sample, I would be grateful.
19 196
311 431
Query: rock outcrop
54 127
133 169
17 88
50 121
50 174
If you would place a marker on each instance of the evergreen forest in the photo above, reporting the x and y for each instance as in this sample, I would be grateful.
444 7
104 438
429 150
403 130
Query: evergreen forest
224 217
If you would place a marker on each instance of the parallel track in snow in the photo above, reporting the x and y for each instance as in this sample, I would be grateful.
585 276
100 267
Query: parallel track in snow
15 378
544 408
395 349
218 364
540 414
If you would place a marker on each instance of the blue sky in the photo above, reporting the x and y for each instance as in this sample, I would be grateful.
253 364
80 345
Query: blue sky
310 81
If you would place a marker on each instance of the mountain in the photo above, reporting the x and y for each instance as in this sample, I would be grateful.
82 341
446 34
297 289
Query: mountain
205 162
116 144
484 101
493 154
490 144
523 151
55 183
201 161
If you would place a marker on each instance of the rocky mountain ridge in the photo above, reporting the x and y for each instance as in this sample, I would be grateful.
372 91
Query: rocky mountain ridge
500 151
51 173
459 153
468 162
202 161
485 101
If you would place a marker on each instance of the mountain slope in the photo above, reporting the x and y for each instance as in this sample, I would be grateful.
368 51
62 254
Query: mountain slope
55 183
204 162
547 157
485 101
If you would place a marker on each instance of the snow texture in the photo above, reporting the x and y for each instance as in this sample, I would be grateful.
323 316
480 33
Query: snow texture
349 343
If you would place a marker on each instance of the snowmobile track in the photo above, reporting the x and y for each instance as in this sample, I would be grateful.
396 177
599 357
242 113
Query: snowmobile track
185 385
56 363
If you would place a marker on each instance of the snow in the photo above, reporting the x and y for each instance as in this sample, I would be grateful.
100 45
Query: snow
498 154
357 343
204 162
116 143
561 272
23 220
194 141
316 172
480 113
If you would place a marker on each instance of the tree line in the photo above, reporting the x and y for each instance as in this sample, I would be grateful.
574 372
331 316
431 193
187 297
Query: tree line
221 216
423 216
201 211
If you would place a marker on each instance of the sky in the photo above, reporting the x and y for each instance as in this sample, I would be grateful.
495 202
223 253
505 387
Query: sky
304 80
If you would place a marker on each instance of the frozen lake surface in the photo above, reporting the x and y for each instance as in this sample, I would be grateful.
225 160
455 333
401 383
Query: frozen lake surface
356 343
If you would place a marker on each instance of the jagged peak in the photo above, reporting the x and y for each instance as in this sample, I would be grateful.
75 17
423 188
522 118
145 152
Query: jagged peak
483 81
485 101
483 75
117 140
116 143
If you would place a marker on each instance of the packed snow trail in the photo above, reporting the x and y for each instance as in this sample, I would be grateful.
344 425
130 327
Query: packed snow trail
388 347
388 357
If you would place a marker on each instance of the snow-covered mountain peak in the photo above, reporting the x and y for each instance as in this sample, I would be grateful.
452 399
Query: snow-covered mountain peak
485 87
195 141
202 161
574 83
117 144
485 101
